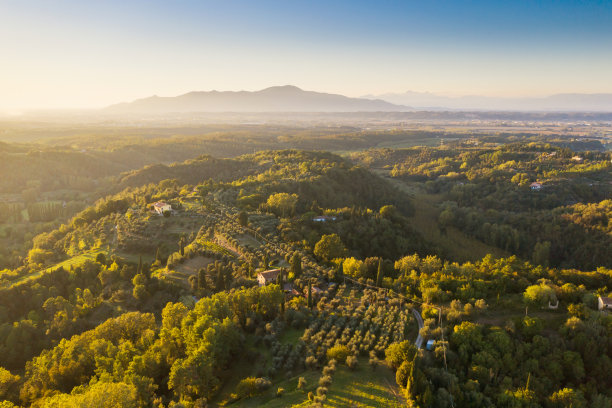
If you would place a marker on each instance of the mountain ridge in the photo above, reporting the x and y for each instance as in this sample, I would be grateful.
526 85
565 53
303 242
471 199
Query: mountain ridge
287 98
593 102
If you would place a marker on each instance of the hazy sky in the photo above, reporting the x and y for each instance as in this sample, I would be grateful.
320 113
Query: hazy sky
79 53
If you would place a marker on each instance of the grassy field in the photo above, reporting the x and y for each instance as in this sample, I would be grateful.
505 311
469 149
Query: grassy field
455 243
186 269
363 387
248 241
290 398
291 335
77 260
193 265
74 261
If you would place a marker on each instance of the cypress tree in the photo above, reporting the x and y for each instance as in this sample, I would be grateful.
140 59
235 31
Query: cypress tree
182 246
202 279
379 275
296 265
220 284
309 301
279 279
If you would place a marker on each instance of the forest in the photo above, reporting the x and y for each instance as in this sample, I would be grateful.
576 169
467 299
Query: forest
317 266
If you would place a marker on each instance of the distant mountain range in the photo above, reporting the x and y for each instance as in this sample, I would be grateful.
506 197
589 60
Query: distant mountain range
293 99
275 99
559 102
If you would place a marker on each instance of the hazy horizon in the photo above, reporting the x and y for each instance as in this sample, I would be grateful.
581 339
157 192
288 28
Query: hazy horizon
75 55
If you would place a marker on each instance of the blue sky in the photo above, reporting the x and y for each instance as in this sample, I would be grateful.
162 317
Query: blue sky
91 53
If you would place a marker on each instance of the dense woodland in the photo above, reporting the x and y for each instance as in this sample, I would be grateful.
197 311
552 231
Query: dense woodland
104 302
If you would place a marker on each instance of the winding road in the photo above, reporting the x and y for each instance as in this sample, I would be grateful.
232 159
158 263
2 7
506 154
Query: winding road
419 340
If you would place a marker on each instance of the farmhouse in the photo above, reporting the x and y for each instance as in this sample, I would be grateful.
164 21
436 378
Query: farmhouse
535 186
160 207
604 303
269 276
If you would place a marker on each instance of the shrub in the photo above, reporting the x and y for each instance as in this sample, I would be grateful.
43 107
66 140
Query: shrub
397 353
252 386
311 362
325 380
280 391
328 370
301 383
339 353
351 362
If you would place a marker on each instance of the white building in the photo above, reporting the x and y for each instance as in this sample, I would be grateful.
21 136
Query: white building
160 207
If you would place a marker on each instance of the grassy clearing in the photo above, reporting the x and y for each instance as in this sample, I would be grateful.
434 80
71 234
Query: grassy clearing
193 265
248 241
186 269
77 260
291 335
512 307
454 242
67 264
291 397
364 387
135 258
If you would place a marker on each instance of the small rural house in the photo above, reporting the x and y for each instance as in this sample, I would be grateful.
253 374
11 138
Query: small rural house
159 207
577 159
324 218
269 276
535 186
604 303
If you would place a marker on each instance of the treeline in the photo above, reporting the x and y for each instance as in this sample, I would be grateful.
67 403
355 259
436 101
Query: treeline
180 359
523 359
573 236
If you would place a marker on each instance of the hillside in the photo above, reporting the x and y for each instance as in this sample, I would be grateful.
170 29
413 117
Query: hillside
123 305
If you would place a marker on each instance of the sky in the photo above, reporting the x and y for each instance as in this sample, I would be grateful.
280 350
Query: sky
89 54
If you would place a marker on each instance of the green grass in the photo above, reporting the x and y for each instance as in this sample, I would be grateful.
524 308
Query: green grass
248 241
457 245
364 387
291 397
135 258
291 335
74 261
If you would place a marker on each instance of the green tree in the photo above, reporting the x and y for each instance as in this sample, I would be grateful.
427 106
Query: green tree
567 397
354 268
541 253
98 395
282 204
379 273
397 353
539 295
339 353
9 385
330 247
202 283
243 218
296 265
